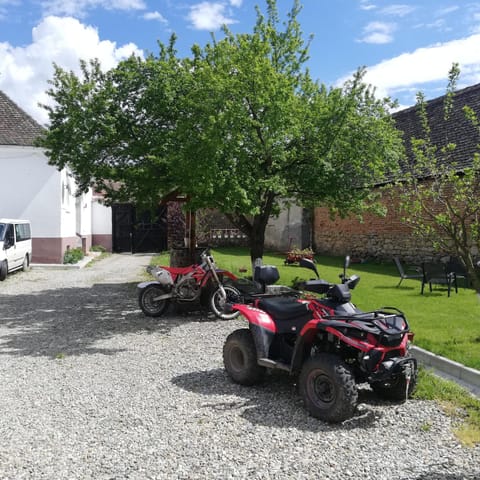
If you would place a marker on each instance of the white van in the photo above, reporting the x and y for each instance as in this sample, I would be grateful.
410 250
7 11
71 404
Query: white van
15 246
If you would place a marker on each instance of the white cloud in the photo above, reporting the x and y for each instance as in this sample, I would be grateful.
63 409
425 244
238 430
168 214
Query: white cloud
79 8
446 11
209 16
366 5
4 4
398 10
378 32
236 3
155 16
24 71
424 66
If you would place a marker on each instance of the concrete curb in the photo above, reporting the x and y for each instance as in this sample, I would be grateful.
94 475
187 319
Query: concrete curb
67 266
465 376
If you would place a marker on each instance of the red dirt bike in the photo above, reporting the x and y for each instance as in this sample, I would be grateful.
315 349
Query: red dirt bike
328 344
181 285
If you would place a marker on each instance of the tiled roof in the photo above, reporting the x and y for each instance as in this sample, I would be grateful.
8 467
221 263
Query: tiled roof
16 126
457 129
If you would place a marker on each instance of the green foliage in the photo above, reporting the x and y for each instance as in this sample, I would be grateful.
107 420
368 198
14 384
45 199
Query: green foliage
98 248
239 126
73 255
440 200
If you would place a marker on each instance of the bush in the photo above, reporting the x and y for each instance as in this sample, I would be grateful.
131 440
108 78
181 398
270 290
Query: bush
73 255
98 248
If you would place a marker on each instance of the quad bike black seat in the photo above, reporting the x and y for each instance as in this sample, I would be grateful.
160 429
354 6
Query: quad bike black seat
266 275
288 314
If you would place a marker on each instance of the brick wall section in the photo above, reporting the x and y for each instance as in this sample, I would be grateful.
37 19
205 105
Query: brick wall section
383 238
379 238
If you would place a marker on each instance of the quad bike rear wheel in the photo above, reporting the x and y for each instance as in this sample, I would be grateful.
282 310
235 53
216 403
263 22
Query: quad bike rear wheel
146 299
240 358
218 302
328 388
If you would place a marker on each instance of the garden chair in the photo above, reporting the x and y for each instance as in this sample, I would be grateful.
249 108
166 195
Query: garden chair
455 265
438 274
401 270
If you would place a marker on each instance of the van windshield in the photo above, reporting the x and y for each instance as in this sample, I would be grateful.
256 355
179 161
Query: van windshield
3 229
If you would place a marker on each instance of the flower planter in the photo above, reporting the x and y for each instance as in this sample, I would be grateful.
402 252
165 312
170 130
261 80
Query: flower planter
296 256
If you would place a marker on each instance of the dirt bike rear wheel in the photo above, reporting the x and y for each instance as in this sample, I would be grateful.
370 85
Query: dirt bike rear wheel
328 388
146 299
240 358
217 302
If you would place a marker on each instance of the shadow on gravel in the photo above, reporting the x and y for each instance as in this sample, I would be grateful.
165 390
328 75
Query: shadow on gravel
255 403
70 321
448 476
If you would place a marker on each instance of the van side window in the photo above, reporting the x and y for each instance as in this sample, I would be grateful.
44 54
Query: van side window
9 234
22 231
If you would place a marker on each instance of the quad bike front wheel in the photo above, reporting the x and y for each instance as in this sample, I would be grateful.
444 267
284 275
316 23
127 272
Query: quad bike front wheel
148 303
240 358
218 302
328 388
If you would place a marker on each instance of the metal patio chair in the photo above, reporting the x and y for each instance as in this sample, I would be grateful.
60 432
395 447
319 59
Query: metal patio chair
438 274
403 274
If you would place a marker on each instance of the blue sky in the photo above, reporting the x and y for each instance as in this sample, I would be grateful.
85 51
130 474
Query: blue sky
406 46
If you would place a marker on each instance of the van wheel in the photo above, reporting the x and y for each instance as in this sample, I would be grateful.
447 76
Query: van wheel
26 264
3 270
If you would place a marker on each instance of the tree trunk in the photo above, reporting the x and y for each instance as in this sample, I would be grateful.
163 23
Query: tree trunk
474 276
257 237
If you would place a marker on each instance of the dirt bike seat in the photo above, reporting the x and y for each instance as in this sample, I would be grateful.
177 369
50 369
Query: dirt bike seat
180 270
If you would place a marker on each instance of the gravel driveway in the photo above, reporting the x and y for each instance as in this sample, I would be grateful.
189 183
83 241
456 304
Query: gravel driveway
92 389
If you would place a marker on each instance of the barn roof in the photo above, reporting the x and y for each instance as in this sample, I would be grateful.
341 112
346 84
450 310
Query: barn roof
16 126
457 129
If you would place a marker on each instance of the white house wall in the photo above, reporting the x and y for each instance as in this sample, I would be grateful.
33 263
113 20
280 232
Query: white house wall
101 224
33 190
288 230
29 189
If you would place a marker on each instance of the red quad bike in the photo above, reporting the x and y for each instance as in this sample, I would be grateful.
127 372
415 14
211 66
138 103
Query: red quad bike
181 285
329 344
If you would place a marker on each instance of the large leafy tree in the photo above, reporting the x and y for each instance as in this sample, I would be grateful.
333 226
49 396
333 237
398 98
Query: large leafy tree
440 198
240 125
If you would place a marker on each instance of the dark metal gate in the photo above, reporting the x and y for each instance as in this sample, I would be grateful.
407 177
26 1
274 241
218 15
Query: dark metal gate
138 231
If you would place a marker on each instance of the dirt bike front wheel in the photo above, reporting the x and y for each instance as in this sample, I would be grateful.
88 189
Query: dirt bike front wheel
218 302
148 303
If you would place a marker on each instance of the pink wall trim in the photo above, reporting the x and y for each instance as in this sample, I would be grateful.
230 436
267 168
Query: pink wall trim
105 240
51 250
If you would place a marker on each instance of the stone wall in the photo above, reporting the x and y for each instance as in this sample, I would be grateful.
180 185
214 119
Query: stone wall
376 237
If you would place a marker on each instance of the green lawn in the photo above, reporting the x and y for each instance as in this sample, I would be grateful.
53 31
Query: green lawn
443 325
